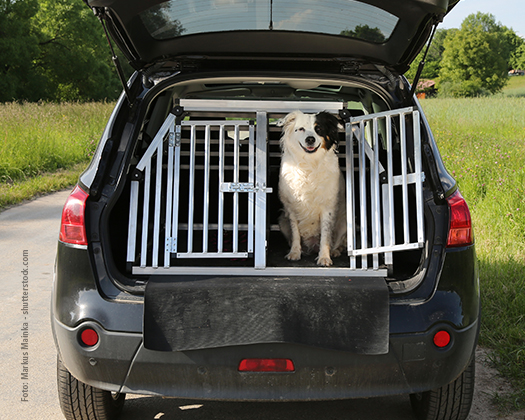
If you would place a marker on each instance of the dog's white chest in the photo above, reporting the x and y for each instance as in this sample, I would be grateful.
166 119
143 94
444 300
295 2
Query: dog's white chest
308 193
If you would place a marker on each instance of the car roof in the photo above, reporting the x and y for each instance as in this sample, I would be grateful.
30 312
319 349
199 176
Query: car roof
386 32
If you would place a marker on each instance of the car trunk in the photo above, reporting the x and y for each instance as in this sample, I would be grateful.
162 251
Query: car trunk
201 196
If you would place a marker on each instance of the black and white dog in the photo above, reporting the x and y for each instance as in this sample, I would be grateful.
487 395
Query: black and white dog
311 186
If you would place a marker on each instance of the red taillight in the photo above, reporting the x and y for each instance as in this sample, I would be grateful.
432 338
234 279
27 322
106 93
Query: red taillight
73 228
266 365
89 337
442 339
460 232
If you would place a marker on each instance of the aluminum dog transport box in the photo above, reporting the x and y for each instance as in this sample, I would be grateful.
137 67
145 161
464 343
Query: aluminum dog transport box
201 190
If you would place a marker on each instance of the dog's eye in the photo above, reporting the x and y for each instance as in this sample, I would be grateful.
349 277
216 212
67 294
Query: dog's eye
299 129
317 129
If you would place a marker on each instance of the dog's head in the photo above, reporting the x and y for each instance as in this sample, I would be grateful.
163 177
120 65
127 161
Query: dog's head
312 132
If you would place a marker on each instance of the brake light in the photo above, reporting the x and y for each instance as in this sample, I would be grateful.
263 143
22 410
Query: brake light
73 227
460 231
266 365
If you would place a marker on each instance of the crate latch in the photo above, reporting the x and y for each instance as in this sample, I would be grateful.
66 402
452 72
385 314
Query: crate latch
248 187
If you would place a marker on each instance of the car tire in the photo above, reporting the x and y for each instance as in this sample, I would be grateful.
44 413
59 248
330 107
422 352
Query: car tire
79 401
450 402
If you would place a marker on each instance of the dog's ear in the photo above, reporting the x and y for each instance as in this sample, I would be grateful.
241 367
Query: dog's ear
288 119
329 120
332 126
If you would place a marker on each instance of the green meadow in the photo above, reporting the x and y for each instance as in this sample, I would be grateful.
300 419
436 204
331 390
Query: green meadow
45 146
515 87
482 142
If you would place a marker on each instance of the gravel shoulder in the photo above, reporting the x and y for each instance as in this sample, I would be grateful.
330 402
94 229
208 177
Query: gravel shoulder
489 382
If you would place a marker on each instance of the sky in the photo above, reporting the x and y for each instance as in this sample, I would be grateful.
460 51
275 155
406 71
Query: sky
510 13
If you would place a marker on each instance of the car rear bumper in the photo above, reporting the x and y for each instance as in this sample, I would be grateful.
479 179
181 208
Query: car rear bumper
119 362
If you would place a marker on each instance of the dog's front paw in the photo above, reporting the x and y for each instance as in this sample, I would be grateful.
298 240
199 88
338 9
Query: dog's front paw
335 253
324 261
294 254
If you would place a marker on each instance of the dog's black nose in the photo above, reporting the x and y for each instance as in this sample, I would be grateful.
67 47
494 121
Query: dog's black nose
310 140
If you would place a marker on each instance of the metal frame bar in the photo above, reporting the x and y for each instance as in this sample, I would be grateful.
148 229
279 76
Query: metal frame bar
219 105
268 271
236 146
388 194
206 201
157 211
404 180
260 196
220 229
350 205
176 187
375 201
419 176
362 192
191 189
169 197
251 195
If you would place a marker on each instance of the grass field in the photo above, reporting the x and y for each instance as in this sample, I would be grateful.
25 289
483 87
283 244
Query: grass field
515 87
43 147
482 142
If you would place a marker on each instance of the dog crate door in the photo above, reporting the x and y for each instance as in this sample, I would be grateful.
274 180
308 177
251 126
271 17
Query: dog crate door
384 202
208 182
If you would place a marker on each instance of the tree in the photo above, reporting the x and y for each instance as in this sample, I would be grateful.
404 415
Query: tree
366 33
74 57
475 58
518 58
18 49
161 17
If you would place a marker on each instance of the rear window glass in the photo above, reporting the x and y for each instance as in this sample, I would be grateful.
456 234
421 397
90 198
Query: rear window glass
335 17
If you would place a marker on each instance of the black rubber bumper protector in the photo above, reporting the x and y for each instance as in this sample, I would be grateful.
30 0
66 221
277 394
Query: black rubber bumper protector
333 313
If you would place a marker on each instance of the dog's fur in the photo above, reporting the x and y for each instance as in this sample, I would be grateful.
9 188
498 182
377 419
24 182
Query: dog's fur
311 186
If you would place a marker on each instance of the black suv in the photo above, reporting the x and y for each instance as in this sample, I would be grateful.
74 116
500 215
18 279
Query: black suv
171 277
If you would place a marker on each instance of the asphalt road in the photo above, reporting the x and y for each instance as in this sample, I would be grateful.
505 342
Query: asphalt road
28 236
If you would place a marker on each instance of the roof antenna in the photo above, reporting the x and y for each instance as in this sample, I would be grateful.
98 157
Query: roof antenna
422 62
271 15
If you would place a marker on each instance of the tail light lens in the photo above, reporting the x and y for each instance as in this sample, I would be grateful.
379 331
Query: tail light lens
73 227
89 337
442 339
460 231
266 365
